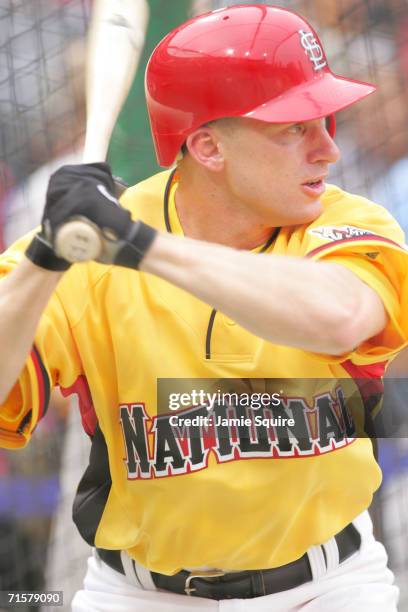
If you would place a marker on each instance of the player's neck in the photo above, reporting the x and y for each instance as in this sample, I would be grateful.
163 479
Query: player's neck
206 215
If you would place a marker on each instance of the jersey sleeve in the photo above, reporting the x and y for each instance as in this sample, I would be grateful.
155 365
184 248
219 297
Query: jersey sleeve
53 361
365 238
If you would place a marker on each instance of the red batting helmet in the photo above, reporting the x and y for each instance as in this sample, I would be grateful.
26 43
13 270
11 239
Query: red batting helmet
251 60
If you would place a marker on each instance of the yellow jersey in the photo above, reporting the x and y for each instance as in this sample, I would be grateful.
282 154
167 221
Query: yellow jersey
235 496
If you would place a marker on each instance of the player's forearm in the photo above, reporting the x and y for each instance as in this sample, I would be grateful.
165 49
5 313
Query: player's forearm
292 301
24 294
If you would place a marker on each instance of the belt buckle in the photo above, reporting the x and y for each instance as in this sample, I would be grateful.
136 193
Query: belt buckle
200 574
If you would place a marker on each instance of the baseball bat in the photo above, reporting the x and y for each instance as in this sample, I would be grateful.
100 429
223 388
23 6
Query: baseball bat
115 41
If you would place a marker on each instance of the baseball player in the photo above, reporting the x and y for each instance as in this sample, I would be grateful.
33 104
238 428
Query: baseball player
236 268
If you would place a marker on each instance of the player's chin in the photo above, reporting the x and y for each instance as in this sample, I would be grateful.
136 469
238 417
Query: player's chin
307 212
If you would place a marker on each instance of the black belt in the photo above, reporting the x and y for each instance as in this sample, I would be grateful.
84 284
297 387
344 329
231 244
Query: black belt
242 585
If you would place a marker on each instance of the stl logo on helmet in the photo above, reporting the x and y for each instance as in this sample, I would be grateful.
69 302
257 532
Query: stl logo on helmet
313 49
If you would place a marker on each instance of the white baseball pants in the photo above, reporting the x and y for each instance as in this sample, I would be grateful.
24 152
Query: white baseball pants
362 583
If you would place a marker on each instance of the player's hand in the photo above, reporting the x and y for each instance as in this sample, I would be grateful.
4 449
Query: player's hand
86 191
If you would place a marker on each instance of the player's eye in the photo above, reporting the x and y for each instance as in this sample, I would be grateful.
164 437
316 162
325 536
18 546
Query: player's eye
296 128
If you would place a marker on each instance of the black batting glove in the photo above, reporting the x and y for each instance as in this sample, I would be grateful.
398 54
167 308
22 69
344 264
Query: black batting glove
85 191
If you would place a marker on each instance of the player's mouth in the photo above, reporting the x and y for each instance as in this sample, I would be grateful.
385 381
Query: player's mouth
314 187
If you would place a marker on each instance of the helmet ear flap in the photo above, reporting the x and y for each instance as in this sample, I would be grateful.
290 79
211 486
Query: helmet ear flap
331 125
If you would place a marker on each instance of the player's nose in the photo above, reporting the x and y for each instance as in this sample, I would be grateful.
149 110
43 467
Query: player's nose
322 146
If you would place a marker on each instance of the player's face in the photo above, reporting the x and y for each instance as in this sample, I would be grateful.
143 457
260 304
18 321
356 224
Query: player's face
277 171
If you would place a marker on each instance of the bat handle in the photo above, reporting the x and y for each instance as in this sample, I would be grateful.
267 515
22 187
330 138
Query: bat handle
79 240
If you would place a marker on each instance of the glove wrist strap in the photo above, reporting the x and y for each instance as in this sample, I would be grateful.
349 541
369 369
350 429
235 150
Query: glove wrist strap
137 243
42 254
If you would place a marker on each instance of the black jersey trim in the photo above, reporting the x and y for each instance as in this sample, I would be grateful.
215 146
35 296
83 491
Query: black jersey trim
209 333
93 490
272 239
44 386
166 201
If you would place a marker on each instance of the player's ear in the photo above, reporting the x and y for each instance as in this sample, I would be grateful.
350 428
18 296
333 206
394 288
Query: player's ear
205 148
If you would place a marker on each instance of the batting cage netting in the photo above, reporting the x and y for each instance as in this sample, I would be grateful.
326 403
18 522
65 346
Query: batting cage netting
42 104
